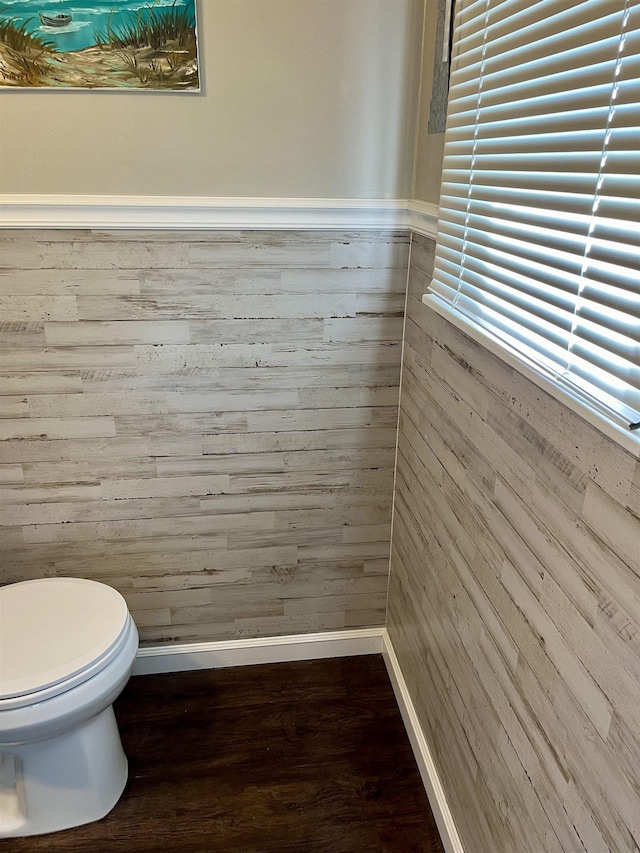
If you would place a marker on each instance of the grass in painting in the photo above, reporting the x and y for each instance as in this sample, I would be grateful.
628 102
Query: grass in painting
17 38
153 28
25 53
155 45
144 71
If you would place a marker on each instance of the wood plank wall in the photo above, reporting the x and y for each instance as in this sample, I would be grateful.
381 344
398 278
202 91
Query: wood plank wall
514 599
206 421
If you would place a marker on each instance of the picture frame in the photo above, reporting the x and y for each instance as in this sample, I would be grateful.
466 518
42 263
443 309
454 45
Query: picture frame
121 45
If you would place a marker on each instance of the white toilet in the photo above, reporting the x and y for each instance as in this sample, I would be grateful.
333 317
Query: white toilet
67 648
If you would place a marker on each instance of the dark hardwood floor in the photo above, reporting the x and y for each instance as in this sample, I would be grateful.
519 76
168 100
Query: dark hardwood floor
306 757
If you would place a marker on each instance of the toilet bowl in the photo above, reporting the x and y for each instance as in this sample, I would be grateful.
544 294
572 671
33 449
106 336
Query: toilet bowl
67 647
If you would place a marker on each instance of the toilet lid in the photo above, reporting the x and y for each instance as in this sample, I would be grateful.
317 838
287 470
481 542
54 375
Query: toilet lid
53 629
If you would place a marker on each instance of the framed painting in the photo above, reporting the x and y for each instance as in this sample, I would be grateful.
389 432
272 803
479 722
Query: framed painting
99 44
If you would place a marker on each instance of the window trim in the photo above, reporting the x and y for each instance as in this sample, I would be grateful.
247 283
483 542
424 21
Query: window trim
621 435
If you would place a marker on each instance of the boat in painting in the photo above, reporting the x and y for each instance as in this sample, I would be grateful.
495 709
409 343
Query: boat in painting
60 20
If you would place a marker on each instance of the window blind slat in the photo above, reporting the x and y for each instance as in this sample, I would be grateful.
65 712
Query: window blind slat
558 269
503 317
590 139
498 124
599 324
540 162
534 70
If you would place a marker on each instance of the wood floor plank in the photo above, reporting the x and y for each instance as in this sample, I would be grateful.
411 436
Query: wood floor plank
307 756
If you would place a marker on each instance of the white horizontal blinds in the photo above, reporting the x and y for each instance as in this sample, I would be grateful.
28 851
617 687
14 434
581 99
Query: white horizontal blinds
605 350
539 233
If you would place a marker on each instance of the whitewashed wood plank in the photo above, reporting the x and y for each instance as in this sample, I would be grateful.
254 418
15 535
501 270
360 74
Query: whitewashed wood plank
60 282
239 378
172 425
232 401
21 494
592 699
335 603
101 510
123 448
362 282
287 420
312 253
109 333
366 533
363 329
341 398
346 499
613 524
168 598
164 487
11 474
86 405
214 307
460 377
19 308
584 822
577 440
14 407
38 383
120 255
200 357
209 281
93 470
19 333
53 428
383 253
299 440
267 331
347 353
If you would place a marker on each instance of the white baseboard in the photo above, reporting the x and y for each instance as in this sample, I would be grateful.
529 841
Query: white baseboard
430 778
190 656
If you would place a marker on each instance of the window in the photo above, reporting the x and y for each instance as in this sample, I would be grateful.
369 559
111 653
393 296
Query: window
538 249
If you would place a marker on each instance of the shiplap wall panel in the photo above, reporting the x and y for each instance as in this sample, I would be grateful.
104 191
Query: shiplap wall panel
514 602
204 420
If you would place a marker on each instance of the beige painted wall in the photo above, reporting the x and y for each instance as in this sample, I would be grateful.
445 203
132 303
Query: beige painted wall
302 98
428 148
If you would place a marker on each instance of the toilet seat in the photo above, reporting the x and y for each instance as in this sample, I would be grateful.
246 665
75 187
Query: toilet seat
75 628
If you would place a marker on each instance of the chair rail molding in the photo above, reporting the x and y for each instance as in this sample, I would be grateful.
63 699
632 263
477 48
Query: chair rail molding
422 218
193 212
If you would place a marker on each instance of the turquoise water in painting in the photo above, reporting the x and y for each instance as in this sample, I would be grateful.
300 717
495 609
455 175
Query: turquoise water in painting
89 17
